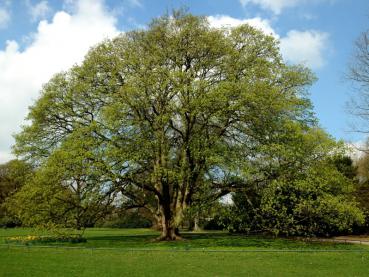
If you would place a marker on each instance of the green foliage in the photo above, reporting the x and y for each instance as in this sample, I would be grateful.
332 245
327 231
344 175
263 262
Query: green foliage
13 176
317 205
310 192
63 191
345 165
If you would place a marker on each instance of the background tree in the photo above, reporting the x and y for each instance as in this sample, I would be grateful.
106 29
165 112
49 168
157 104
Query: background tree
311 192
65 191
13 176
345 165
362 189
358 73
178 112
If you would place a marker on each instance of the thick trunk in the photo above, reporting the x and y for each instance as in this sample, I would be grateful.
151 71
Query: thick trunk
170 222
169 232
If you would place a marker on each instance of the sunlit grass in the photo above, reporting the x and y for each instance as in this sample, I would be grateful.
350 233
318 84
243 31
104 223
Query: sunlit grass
114 252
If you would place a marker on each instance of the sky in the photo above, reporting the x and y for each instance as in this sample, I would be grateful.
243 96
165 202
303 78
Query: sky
41 38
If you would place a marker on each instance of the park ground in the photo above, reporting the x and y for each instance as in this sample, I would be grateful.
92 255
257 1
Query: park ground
133 252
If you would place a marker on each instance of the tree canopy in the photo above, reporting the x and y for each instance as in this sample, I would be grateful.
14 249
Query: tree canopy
172 115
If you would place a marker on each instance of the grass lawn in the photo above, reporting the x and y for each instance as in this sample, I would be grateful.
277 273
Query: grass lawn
126 258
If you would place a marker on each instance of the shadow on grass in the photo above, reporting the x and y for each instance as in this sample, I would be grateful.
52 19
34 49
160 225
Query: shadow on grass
209 240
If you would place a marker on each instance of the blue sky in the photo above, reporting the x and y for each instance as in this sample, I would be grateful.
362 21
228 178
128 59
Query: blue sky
40 38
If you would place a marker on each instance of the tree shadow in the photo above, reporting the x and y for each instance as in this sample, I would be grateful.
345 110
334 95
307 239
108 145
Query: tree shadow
191 240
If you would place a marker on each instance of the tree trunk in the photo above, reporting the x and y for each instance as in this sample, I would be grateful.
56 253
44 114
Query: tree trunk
170 223
193 224
169 232
196 224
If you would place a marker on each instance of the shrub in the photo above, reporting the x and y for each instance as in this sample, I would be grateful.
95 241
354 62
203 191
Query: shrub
319 203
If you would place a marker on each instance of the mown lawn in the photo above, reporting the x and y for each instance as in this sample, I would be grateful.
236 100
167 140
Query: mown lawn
132 252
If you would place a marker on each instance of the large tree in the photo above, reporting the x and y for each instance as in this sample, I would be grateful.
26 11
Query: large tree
174 114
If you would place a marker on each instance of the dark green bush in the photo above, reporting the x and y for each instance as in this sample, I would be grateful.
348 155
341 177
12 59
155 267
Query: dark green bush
213 224
8 222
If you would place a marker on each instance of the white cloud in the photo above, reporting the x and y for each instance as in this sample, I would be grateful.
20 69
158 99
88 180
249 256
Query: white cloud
306 47
56 46
39 10
302 47
277 6
4 18
5 156
219 21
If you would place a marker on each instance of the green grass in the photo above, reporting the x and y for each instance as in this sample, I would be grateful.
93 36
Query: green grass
123 259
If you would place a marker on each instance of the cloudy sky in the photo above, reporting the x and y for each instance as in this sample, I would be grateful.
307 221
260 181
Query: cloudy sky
40 38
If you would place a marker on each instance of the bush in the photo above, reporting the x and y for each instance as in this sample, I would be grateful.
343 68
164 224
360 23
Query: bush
7 222
318 204
213 224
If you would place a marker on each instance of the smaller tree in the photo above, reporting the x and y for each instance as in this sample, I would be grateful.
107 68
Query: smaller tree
63 191
13 175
